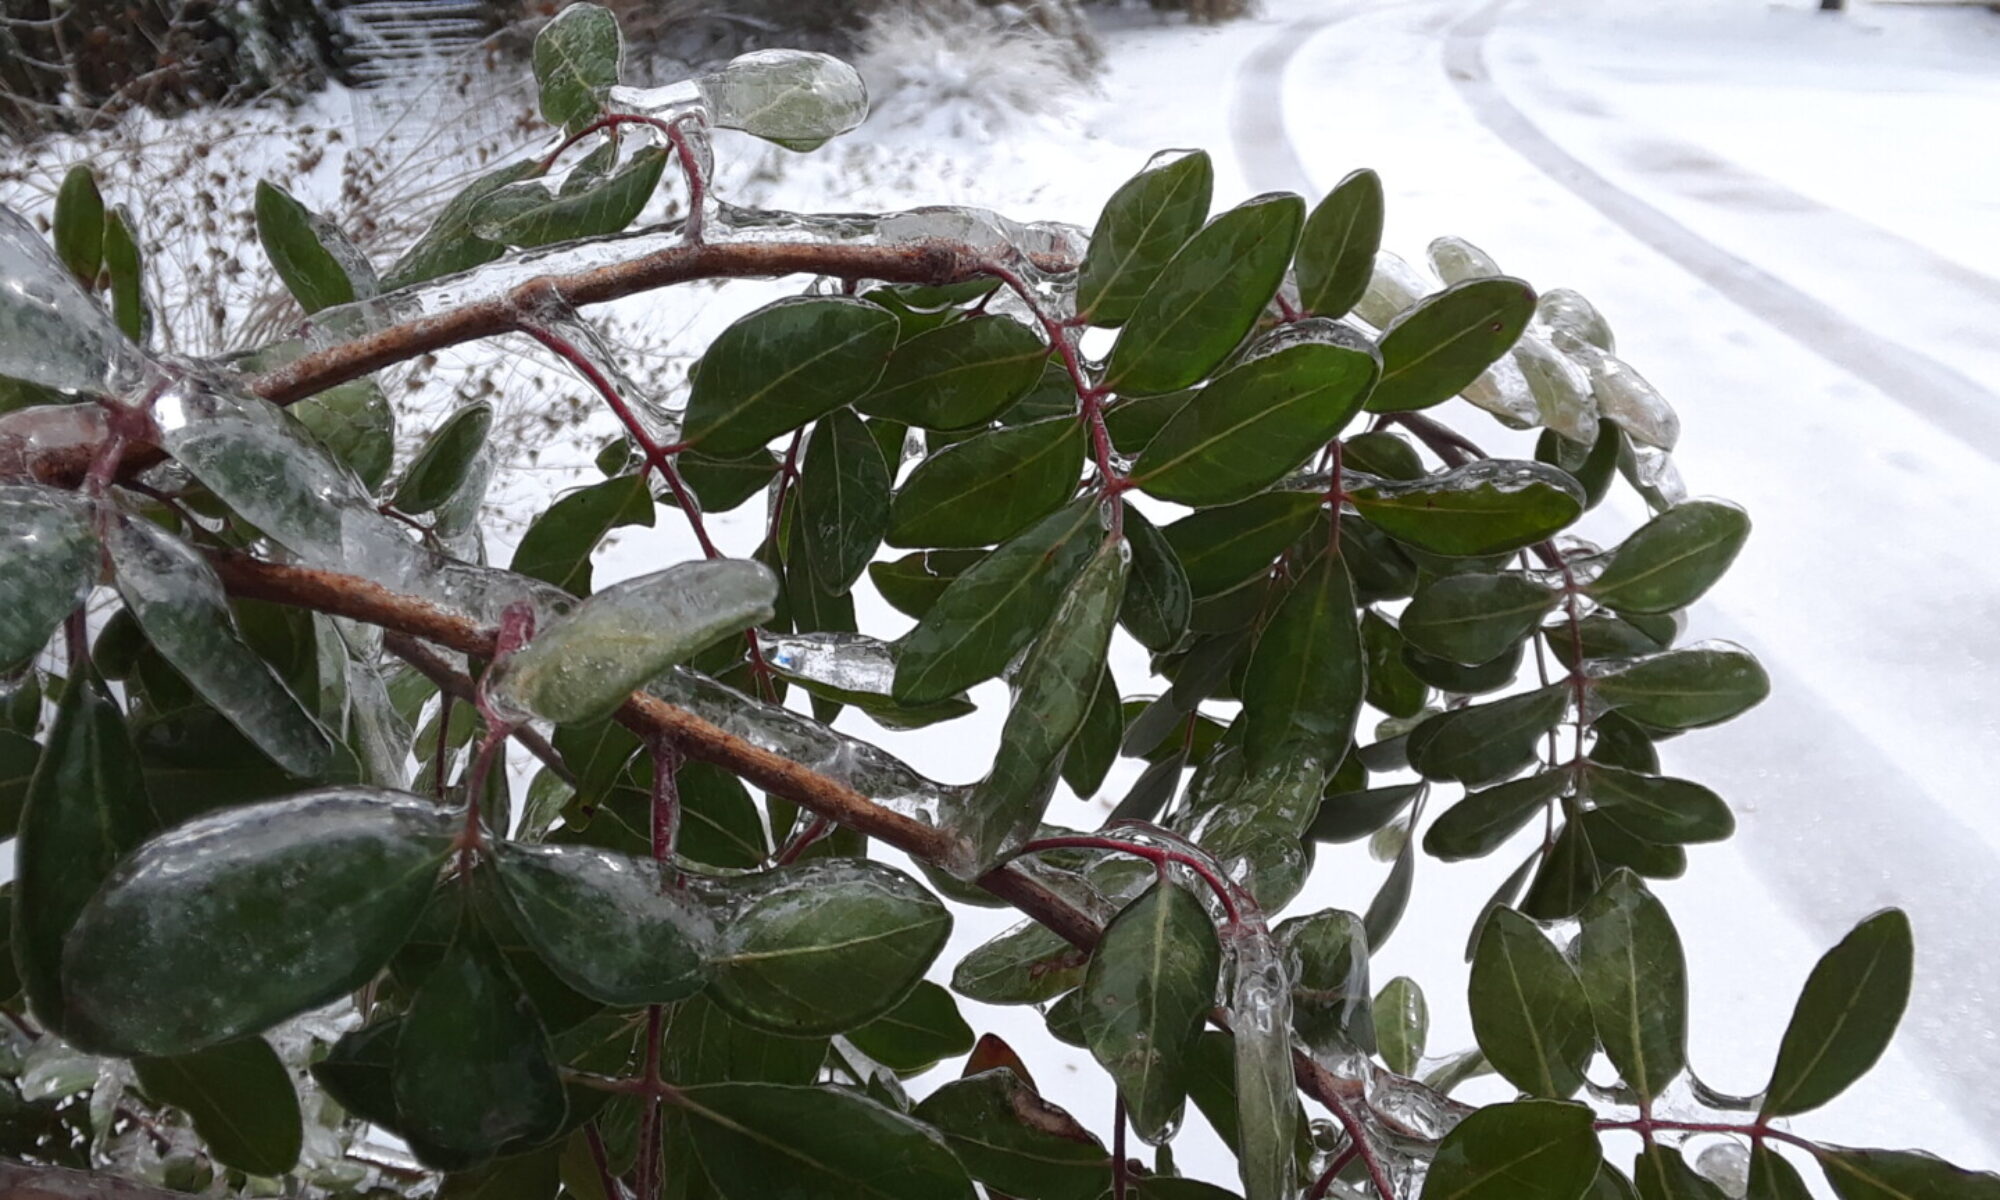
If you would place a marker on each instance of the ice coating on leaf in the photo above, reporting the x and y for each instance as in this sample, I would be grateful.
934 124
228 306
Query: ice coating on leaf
1260 1012
1310 331
796 98
51 332
1409 1110
178 600
554 314
1394 287
613 927
1456 260
666 103
1624 396
31 436
1565 309
758 225
1502 390
1560 387
581 668
48 562
852 662
1653 470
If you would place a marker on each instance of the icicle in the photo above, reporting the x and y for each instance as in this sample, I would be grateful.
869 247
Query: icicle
1267 1100
1456 260
1393 288
852 662
51 332
796 98
1561 388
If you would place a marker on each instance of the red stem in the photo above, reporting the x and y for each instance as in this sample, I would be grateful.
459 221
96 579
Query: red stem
1357 1139
1325 1180
1158 856
1646 1126
697 183
601 1159
666 799
649 1126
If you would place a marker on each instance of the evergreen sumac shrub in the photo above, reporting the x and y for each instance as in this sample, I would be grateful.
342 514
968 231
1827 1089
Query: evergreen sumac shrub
273 890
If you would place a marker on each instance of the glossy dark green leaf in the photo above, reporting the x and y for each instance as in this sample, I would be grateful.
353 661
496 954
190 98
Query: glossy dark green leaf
1383 454
912 583
85 808
722 484
1528 1008
1484 820
1134 422
916 1034
1487 507
241 1099
1435 350
1615 846
704 1044
1348 816
1634 973
238 920
1150 983
1337 250
450 244
1772 1177
1306 675
1158 601
1902 1175
1618 742
1526 1150
1846 1015
824 947
444 460
783 365
356 424
1028 964
959 375
1611 1184
1402 1024
473 1070
1222 547
1090 755
1206 298
1569 876
1267 1096
559 543
19 755
529 214
1472 619
989 487
1326 959
48 564
79 225
1152 791
616 929
533 1176
1657 809
996 607
357 1071
1392 899
1486 742
843 499
1594 467
576 59
1664 1173
763 1141
314 259
1671 560
123 262
1015 1142
1144 224
1699 685
1255 423
1392 686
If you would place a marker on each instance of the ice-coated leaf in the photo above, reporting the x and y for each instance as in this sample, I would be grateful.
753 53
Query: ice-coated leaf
1158 601
235 921
761 1141
1528 1008
1028 964
1220 548
1149 984
783 365
960 375
79 224
1456 260
1015 1142
1634 973
1484 820
241 1099
1488 507
1347 816
1433 351
824 947
1305 678
1570 875
576 57
1254 423
914 582
1664 1173
1402 1024
450 244
1267 1099
1393 686
317 263
1657 809
1474 618
445 459
1336 255
581 668
796 98
48 562
527 213
1095 748
1671 560
916 1034
1487 742
1526 1150
473 1071
85 809
1144 224
1772 1177
996 606
558 544
1902 1175
615 928
180 603
1703 684
51 333
356 425
1206 298
1845 1017
1326 959
990 486
843 498
1559 387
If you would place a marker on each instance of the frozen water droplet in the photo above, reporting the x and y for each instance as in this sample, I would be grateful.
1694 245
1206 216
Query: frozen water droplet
1727 1166
796 98
1394 287
51 332
1456 260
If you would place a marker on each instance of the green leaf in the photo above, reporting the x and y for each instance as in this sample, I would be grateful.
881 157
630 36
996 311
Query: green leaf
1436 349
960 375
79 225
1484 820
1336 255
1486 742
1305 678
824 947
445 459
1402 1023
583 666
1150 983
914 582
615 928
1656 809
762 1141
1326 959
1663 1173
1052 695
356 425
783 365
123 263
1206 298
1773 1178
917 1034
536 1176
1473 619
450 245
1392 686
85 809
1028 964
1902 1175
1846 1015
1529 1012
241 1099
1256 422
1486 507
1267 1098
48 564
721 484
527 213
1348 816
1634 973
238 920
1089 757
990 486
1671 560
577 56
19 755
1222 547
558 544
317 263
1611 1184
704 1044
1570 875
1015 1142
1527 1150
473 1070
843 498
1144 224
996 607
1704 684
1158 602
